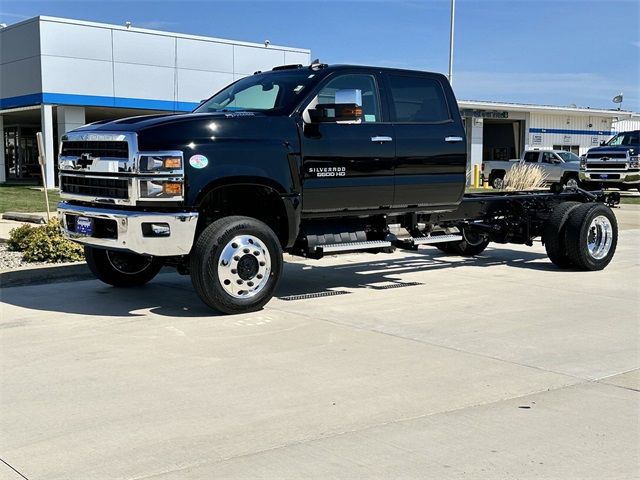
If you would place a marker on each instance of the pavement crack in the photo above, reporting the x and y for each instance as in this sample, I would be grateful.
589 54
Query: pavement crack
12 468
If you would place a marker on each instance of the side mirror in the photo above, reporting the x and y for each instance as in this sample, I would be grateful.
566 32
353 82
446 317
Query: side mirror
603 143
336 112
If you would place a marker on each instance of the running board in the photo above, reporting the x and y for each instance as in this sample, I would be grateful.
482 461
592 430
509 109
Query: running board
352 246
415 241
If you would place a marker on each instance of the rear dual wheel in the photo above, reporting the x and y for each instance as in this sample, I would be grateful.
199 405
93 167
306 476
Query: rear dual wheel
582 236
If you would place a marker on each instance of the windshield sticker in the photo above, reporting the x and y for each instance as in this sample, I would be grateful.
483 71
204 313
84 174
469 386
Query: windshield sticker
198 161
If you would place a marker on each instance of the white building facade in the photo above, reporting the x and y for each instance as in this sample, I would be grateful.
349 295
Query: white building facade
502 131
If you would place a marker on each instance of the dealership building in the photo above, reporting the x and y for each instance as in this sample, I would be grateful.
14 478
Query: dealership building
57 74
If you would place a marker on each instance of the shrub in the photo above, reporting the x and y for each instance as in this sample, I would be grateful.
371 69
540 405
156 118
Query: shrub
523 176
18 237
46 244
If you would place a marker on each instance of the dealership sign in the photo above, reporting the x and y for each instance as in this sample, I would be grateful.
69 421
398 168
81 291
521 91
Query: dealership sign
483 113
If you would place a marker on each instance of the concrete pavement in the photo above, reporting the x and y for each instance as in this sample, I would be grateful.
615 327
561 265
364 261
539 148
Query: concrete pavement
421 366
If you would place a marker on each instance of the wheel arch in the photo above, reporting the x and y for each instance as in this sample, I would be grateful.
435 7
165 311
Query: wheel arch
257 197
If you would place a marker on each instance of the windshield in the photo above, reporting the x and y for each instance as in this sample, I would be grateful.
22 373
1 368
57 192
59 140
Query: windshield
625 138
568 156
274 93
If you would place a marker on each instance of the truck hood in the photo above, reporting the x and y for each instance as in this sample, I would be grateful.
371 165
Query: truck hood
144 122
633 149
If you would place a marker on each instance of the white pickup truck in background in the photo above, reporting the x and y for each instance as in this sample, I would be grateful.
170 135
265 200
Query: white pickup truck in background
558 165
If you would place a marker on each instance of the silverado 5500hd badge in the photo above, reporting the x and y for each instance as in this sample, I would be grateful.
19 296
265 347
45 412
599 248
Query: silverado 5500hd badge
320 172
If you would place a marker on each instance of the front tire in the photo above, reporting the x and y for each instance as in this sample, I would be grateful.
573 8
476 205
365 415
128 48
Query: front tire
591 236
121 269
236 264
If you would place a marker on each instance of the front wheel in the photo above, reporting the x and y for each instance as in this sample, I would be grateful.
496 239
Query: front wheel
121 269
236 264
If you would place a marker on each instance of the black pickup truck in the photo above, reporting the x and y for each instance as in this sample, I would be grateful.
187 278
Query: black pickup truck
309 160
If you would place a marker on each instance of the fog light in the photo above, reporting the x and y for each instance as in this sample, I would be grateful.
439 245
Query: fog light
156 230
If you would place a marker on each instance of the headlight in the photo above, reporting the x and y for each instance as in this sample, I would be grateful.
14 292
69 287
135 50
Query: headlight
634 162
160 162
583 163
161 189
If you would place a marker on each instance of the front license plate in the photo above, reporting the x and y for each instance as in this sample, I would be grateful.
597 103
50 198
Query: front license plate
84 226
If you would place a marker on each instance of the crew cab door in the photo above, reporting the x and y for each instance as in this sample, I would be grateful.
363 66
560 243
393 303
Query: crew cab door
430 167
347 165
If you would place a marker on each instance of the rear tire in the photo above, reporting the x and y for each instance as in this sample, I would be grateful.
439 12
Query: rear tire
570 182
497 181
236 264
591 236
121 269
553 234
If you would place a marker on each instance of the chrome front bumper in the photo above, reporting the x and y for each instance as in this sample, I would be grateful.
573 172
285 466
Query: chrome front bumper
614 176
132 230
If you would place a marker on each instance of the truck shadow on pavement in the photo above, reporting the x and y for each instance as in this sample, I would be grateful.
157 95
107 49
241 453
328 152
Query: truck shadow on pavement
172 295
385 272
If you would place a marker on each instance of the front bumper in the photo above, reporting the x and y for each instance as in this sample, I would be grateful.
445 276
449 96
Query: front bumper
131 231
612 176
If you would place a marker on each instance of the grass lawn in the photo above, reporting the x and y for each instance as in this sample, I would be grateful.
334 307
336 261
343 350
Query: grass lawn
23 198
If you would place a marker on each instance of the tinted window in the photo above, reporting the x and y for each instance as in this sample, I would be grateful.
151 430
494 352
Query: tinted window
547 157
531 157
417 99
626 139
347 86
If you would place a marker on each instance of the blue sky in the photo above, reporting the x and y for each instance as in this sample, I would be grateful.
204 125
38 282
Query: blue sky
544 51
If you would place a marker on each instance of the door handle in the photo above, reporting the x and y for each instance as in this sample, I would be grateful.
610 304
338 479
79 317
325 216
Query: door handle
381 139
452 139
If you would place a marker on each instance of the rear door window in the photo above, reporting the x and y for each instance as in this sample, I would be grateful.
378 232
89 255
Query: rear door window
531 157
417 99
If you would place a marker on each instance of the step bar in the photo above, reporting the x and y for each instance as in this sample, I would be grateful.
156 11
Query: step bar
352 246
431 240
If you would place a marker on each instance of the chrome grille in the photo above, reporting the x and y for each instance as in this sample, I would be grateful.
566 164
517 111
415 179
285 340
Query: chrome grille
95 186
95 149
606 166
612 155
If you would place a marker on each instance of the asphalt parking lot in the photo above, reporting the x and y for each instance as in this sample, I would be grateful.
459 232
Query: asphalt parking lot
417 365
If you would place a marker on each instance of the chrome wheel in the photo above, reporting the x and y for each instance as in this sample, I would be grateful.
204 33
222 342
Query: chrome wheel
244 266
599 237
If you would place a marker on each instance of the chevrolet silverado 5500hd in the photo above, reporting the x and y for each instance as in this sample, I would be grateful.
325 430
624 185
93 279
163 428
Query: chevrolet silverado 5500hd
309 160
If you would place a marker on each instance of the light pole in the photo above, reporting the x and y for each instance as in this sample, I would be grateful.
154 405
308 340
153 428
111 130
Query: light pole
453 16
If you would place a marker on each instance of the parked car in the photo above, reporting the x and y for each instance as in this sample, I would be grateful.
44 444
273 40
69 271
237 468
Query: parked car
614 164
306 160
559 166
